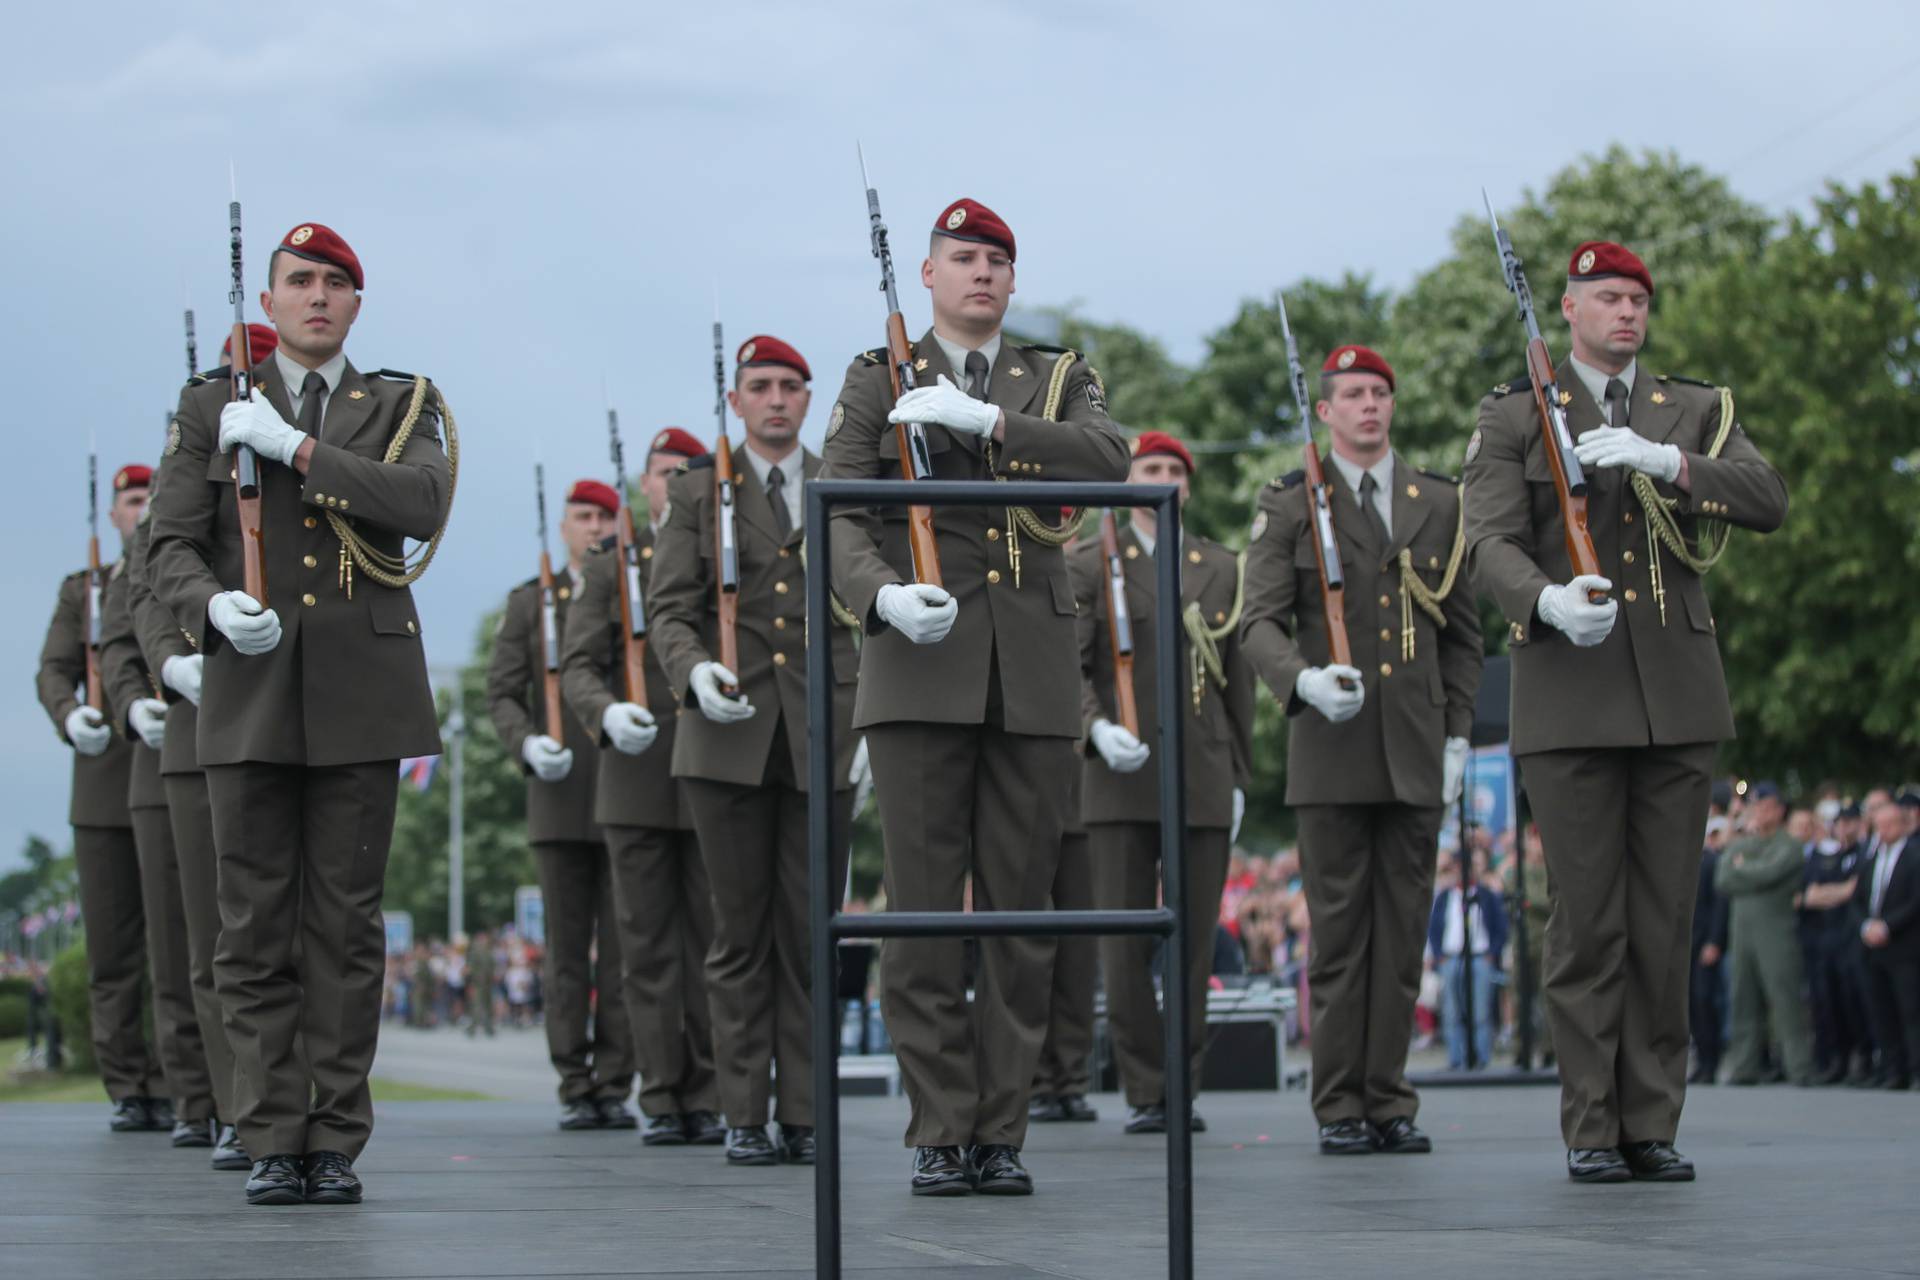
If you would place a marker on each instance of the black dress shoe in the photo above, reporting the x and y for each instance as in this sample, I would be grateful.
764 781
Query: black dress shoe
1897 1084
1151 1118
1656 1162
1702 1075
1349 1137
129 1116
159 1115
1074 1107
997 1171
796 1143
581 1113
276 1180
751 1147
229 1154
1401 1137
664 1131
1597 1164
194 1133
615 1114
331 1179
1045 1108
941 1171
1196 1123
704 1128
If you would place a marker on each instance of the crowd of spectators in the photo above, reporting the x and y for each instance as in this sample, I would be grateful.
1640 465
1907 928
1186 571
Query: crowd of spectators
470 983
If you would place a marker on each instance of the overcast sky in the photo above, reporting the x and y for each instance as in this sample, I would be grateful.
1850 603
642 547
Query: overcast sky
546 196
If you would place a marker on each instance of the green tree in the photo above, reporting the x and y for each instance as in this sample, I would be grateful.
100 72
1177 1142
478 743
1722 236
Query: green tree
18 888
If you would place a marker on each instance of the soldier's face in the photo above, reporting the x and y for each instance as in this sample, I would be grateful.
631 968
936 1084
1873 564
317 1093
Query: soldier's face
126 509
653 481
971 283
772 401
1159 468
1358 410
1608 318
312 304
582 525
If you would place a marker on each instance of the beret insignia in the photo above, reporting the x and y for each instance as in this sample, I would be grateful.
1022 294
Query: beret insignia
955 218
1347 358
301 235
1586 262
746 353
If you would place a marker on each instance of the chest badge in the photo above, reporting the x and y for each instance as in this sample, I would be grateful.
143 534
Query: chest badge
920 365
356 394
1659 397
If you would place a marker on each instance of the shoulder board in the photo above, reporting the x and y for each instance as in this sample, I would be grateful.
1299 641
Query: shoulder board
876 356
702 463
1289 479
1441 476
1049 349
1522 383
395 374
220 374
1692 382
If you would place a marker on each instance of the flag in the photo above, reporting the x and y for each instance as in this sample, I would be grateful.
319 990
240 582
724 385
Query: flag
419 771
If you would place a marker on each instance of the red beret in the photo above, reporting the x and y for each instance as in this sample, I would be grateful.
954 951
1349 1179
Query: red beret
674 440
970 220
761 349
596 494
261 341
1353 358
1598 259
1152 442
316 243
132 476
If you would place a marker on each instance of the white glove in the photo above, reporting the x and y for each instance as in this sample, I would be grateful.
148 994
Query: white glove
860 776
148 718
1239 812
630 728
549 760
949 406
181 673
1123 752
1625 447
87 731
239 617
923 614
1453 769
1319 688
257 423
715 704
1568 610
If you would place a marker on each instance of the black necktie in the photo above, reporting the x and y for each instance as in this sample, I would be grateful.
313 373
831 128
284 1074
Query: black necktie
1616 402
777 499
311 390
1371 510
976 375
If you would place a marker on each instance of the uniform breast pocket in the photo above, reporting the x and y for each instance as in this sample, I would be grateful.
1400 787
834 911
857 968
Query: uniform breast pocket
221 469
392 613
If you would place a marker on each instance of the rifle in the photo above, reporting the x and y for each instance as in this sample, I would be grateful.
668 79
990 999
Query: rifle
633 604
96 583
1326 551
193 348
1569 477
726 547
1119 626
915 462
549 625
246 466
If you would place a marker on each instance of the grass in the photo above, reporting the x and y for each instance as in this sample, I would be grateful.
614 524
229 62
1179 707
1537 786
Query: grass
76 1087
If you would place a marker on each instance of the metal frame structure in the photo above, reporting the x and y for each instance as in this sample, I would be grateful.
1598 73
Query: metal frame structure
827 924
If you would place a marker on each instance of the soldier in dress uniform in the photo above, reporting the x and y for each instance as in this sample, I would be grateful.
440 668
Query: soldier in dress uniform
103 845
589 1041
1375 750
1121 804
1064 1074
662 901
741 756
969 694
136 707
308 700
1618 705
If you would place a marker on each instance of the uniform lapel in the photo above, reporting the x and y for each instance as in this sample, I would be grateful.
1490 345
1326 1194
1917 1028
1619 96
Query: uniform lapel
1348 521
1584 414
266 377
348 409
1410 504
1655 421
929 363
1142 580
750 503
1014 382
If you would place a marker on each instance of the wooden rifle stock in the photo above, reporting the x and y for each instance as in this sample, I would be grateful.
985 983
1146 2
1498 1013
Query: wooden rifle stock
1573 506
246 468
96 697
920 535
633 609
726 557
1326 555
1119 626
550 651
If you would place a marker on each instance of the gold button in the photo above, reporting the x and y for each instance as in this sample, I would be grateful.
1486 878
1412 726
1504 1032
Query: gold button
1193 557
784 553
1631 595
344 504
993 575
313 522
309 561
779 624
1386 602
1133 553
1628 517
1626 557
779 588
993 535
564 592
1385 634
1219 615
1433 562
1386 669
1518 632
646 553
233 474
319 499
779 659
1038 466
307 599
411 628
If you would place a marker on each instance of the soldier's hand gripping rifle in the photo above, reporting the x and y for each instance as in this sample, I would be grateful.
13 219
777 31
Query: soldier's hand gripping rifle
1569 477
726 546
1119 626
915 462
633 605
549 619
1326 551
246 465
96 584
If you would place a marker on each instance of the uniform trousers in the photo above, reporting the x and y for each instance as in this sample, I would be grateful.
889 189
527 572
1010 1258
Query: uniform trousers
111 906
665 910
1067 1051
589 1038
176 1024
192 819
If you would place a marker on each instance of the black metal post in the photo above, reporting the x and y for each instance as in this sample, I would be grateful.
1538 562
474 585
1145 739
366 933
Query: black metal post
826 923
